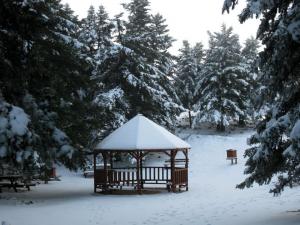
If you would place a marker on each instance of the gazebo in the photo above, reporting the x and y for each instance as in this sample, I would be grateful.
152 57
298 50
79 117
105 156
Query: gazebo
139 137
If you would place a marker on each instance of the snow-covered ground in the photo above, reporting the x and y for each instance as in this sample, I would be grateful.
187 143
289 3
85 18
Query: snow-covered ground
211 199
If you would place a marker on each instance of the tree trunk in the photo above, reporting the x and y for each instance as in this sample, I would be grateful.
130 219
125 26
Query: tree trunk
220 126
190 118
242 122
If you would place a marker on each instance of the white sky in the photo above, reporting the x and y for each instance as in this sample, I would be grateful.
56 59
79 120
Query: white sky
187 19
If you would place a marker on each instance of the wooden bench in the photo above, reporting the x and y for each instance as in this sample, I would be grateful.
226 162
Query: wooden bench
232 155
15 181
177 162
15 186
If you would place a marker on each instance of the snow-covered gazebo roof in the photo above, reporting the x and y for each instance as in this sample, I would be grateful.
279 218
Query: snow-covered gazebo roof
140 133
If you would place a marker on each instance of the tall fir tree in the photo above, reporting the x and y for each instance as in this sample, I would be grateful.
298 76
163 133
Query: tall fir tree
276 151
88 33
104 28
44 80
96 35
223 86
199 55
188 70
104 39
137 69
251 71
161 42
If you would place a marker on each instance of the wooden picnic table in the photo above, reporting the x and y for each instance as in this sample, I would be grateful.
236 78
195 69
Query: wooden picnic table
14 181
11 178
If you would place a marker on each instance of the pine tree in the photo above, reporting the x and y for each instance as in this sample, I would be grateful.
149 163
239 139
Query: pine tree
136 71
276 151
164 62
102 58
223 86
110 95
251 71
88 33
199 55
160 39
138 35
188 70
103 28
44 74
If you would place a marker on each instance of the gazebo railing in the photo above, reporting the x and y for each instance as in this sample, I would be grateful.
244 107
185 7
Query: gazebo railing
122 176
148 175
173 175
180 176
156 174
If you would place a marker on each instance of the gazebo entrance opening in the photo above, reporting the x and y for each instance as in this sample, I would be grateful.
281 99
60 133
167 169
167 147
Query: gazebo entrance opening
173 176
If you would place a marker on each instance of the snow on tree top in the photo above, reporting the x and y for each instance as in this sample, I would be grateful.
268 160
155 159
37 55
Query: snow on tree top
141 133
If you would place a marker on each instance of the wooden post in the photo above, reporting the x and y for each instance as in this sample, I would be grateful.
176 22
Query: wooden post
95 185
172 159
138 179
141 169
111 159
187 167
190 119
104 155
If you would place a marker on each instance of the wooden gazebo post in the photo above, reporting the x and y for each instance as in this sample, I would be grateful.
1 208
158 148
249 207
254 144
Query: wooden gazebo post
141 169
111 159
104 155
95 157
138 175
186 152
172 159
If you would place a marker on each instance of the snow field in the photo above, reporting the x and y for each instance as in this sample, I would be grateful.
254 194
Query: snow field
212 197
